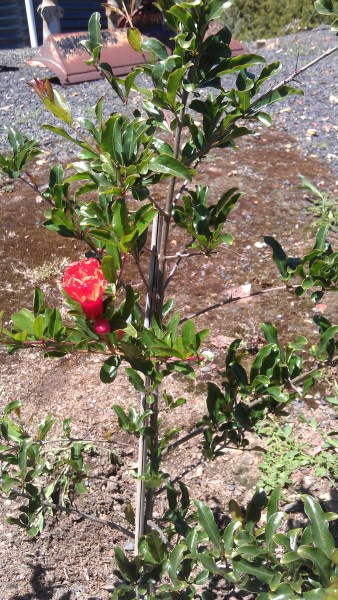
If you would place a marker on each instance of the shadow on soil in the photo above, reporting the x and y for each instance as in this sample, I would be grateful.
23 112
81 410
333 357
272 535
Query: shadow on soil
41 589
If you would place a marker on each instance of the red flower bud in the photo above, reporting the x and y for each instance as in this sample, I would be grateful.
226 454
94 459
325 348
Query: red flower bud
102 326
85 283
43 88
119 334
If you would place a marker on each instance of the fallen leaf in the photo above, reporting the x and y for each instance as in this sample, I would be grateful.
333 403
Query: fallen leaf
35 63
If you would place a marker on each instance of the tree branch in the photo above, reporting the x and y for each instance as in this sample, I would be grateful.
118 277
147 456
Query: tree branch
293 382
293 76
76 511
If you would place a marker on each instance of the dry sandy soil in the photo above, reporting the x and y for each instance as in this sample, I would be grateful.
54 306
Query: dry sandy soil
73 559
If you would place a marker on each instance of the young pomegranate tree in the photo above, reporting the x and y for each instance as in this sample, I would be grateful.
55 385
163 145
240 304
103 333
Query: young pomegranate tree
131 183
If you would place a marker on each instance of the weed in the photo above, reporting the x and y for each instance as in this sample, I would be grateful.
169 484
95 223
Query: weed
323 207
285 455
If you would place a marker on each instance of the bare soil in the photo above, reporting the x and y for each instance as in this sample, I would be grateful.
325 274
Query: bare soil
73 559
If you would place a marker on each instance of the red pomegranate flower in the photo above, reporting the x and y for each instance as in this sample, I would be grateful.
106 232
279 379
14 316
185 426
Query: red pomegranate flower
84 282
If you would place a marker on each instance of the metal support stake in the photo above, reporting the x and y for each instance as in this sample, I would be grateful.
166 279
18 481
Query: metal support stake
31 24
51 13
150 308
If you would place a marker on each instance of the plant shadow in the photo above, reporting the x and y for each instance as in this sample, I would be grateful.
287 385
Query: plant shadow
42 590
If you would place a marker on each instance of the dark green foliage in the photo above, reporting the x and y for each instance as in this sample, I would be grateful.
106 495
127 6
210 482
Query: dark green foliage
249 19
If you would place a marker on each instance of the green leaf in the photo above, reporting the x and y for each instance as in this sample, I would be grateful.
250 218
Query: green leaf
273 502
254 509
329 334
189 335
260 571
270 333
318 557
135 379
174 81
156 47
152 549
321 536
325 7
276 96
279 256
59 107
24 320
54 323
283 592
124 420
243 61
208 563
175 561
13 406
207 521
168 165
125 567
94 29
22 455
109 369
321 236
39 303
108 266
229 535
317 594
63 133
272 525
134 38
264 118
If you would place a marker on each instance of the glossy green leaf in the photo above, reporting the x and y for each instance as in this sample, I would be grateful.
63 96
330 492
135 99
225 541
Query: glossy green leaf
273 502
321 535
318 557
94 29
156 47
279 256
254 509
273 524
134 38
283 592
168 165
109 369
174 81
260 571
243 61
152 549
325 7
125 567
316 594
135 379
207 521
13 406
175 561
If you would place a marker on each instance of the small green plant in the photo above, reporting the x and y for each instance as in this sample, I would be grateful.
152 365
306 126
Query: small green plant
45 478
323 206
285 454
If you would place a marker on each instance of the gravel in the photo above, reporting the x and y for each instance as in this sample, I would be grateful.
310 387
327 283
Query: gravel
312 118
